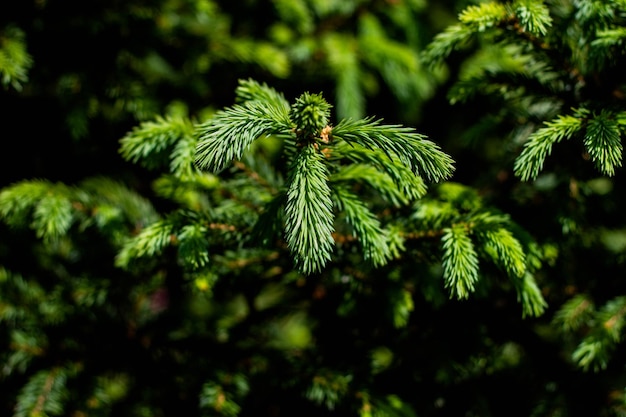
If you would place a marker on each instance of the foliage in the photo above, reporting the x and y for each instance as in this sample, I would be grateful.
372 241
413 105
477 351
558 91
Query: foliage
553 68
279 252
14 59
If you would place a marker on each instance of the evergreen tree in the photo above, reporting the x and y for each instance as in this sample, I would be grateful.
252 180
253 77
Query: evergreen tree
288 256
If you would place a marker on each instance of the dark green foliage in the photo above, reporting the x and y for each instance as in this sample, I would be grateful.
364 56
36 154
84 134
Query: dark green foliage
309 143
560 82
309 214
278 252
14 58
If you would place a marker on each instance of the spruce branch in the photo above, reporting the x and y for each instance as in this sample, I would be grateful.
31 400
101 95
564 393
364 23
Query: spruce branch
577 312
410 185
230 132
367 228
44 394
607 47
529 295
269 224
193 244
18 200
183 157
592 354
472 20
329 387
15 61
53 216
296 13
215 399
377 180
452 38
104 193
533 15
50 206
309 215
310 113
483 16
460 261
612 318
603 329
389 159
468 231
603 142
505 250
402 301
150 143
250 90
412 149
530 162
596 13
609 38
528 20
149 242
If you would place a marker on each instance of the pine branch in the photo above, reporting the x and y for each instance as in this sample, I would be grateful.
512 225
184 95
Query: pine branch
603 142
367 227
534 16
592 353
603 329
309 213
148 243
183 156
374 179
15 61
193 244
215 399
420 155
483 16
452 38
410 185
530 296
504 249
150 143
230 132
44 394
310 114
530 162
612 317
250 90
52 217
269 224
395 156
296 13
328 388
111 201
17 201
460 261
575 313
402 302
49 205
